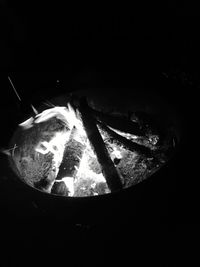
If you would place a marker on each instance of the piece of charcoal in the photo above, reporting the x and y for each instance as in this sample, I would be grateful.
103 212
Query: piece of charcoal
131 169
119 123
128 144
116 161
149 124
59 188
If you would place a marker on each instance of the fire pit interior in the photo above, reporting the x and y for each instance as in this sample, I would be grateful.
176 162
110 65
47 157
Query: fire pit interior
85 144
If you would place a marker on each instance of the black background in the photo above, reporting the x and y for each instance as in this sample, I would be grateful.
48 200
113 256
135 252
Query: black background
49 49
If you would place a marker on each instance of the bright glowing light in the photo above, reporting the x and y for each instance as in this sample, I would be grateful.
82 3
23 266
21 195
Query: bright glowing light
27 124
84 170
126 135
69 182
57 145
65 114
88 178
116 153
34 109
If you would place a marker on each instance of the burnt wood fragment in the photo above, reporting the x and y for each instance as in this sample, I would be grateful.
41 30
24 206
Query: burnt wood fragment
59 188
147 122
108 169
132 169
123 124
128 144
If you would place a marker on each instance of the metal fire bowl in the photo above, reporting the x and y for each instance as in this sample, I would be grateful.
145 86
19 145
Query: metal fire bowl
148 198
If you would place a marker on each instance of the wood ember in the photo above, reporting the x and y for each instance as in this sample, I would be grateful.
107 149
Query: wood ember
149 124
90 187
34 168
71 159
83 188
108 169
94 165
112 136
131 170
59 188
117 122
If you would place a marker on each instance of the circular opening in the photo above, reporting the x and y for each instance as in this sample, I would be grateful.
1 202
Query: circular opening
92 143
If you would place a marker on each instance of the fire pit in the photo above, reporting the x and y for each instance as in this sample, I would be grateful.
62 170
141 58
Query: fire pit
85 144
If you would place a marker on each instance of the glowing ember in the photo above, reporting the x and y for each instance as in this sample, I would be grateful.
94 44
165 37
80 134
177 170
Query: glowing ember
53 153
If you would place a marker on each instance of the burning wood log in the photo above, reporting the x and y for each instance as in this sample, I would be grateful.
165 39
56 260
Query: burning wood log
108 169
128 144
71 159
119 123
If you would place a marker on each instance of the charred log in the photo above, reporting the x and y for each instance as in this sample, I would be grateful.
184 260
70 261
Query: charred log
132 169
59 188
128 144
119 123
108 169
148 123
72 156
